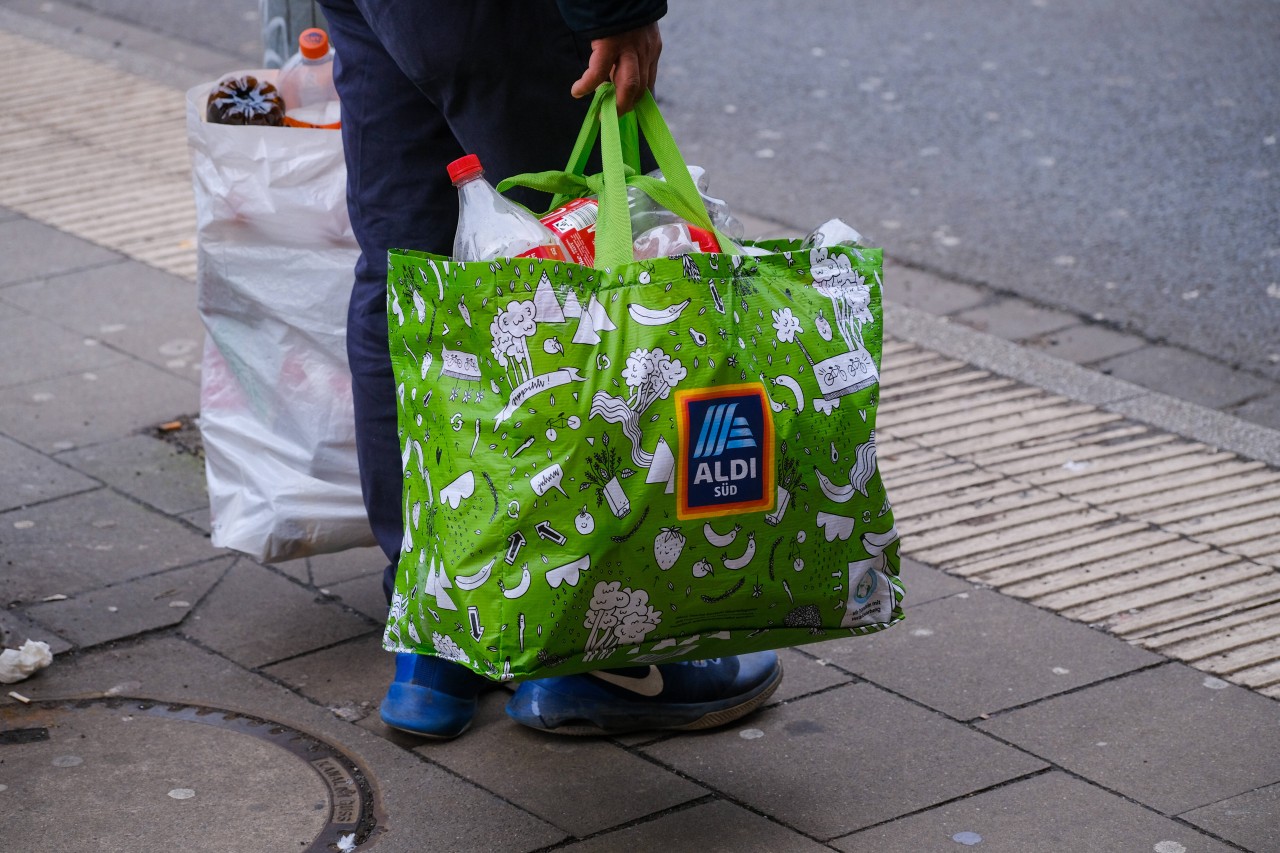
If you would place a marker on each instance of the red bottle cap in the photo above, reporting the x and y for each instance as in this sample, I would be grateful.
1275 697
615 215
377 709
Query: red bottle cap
464 167
314 43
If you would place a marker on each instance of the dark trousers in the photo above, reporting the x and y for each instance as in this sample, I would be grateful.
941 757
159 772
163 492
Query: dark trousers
423 82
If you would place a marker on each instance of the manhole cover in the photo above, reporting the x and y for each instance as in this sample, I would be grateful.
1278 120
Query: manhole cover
118 774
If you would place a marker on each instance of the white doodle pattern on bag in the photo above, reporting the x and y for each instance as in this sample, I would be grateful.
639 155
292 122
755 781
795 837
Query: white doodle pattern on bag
536 342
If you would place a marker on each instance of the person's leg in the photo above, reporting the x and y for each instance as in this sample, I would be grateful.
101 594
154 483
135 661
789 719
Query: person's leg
422 83
398 143
393 137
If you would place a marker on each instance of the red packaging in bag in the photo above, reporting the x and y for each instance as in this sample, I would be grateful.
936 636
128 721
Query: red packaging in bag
551 253
705 239
575 224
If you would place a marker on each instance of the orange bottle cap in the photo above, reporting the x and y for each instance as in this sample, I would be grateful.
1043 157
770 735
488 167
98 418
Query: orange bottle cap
314 43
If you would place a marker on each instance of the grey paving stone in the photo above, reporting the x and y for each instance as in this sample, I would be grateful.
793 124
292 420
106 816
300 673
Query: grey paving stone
803 674
1171 738
59 414
1251 820
327 569
844 760
363 594
255 617
928 292
714 827
420 801
200 519
10 312
153 471
1086 344
119 611
1048 812
1195 422
129 306
350 678
296 569
88 541
1015 320
29 477
33 349
981 652
32 250
1006 358
582 785
1185 375
925 583
16 629
163 667
1264 411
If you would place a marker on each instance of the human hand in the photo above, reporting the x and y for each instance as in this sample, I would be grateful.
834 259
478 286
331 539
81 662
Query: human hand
629 60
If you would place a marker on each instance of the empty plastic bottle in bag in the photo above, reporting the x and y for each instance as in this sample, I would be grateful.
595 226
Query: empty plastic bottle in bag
833 232
491 226
647 213
306 84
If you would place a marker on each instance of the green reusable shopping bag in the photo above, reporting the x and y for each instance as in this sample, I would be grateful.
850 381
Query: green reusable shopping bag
640 462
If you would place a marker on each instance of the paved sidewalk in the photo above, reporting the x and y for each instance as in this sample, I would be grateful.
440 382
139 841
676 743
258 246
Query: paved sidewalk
1091 655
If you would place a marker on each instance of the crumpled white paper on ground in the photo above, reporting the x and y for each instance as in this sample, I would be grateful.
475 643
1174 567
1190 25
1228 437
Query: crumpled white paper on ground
16 665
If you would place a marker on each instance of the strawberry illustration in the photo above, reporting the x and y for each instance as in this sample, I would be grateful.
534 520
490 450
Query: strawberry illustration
667 547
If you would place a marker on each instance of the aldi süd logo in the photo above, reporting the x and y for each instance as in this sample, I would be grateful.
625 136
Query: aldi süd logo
725 463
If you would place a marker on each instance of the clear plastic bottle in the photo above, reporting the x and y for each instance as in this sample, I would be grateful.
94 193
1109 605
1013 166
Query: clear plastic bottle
490 226
306 84
833 232
647 213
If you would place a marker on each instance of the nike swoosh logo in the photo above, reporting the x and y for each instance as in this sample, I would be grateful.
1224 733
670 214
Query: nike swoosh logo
649 685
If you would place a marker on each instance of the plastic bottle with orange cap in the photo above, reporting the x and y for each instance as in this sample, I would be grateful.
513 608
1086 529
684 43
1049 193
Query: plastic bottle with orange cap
306 84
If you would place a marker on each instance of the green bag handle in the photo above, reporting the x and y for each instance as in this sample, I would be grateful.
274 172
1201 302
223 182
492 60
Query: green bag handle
582 148
677 193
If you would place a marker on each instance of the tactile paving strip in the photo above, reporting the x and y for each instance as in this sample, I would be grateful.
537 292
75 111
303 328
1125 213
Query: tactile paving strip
1160 540
1163 541
98 153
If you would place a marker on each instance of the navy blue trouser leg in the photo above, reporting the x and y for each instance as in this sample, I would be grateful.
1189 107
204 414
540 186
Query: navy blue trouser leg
423 82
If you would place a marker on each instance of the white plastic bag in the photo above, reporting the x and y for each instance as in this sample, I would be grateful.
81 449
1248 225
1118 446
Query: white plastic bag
275 265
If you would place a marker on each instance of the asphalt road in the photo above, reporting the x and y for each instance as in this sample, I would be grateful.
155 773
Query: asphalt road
1116 160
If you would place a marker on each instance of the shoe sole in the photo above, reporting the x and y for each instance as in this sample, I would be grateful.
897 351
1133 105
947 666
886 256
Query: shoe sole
426 735
708 721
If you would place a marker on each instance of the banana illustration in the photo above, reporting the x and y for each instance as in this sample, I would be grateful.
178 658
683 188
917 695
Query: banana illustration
875 543
522 587
745 557
656 317
794 387
717 539
470 582
839 494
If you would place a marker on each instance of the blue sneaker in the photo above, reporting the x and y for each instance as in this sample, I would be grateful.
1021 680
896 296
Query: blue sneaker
431 697
700 694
